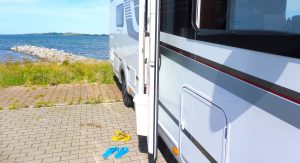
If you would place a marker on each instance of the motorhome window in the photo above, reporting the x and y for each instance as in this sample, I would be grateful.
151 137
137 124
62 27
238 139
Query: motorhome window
212 14
120 15
265 15
176 17
270 26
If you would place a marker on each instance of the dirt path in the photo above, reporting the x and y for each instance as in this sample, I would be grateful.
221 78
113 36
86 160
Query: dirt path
65 94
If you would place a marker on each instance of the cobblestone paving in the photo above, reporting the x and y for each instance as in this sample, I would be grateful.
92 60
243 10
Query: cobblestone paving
68 134
63 94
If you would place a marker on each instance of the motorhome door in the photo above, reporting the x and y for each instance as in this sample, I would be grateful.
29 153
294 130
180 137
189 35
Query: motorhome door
152 64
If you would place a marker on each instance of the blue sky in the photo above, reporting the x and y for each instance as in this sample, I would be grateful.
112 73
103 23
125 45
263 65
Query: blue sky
41 16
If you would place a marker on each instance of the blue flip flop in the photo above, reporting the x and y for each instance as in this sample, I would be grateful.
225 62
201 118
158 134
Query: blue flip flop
121 152
109 151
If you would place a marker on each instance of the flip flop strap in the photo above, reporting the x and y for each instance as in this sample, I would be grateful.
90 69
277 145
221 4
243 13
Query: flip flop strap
119 137
122 133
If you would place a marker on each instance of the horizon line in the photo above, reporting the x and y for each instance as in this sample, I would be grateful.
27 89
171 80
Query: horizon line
53 33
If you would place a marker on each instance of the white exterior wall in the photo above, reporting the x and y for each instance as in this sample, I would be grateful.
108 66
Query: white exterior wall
124 49
254 134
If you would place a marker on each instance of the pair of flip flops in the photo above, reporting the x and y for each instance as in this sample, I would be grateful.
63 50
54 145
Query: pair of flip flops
120 152
121 136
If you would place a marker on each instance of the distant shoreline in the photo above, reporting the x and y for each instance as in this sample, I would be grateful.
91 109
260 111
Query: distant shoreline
56 34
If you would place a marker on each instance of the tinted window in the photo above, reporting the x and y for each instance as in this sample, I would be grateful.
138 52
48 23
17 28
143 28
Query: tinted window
271 26
247 24
176 17
120 15
265 15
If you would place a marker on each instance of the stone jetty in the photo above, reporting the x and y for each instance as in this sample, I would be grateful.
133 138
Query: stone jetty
53 55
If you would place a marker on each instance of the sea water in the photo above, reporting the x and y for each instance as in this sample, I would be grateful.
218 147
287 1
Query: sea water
92 46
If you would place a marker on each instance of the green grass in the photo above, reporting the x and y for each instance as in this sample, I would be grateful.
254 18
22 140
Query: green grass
43 104
50 73
14 106
79 100
39 96
71 103
1 108
95 101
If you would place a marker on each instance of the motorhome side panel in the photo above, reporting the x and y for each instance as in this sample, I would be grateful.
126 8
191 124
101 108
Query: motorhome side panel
257 119
220 103
124 41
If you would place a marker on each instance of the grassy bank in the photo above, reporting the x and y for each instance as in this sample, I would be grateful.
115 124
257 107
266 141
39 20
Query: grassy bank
50 73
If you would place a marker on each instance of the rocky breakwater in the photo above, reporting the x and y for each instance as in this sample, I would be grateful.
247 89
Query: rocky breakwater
53 55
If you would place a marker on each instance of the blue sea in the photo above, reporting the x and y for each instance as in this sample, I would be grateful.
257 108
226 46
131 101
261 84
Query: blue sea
92 46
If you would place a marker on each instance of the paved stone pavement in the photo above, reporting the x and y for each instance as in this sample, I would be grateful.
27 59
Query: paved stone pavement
63 94
68 134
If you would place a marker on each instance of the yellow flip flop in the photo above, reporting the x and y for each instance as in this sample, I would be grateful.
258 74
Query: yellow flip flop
119 132
120 136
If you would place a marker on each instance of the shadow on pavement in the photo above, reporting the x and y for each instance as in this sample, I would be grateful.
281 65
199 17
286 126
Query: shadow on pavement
163 149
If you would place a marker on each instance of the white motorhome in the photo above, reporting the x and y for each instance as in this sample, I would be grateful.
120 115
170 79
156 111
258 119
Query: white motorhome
220 78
